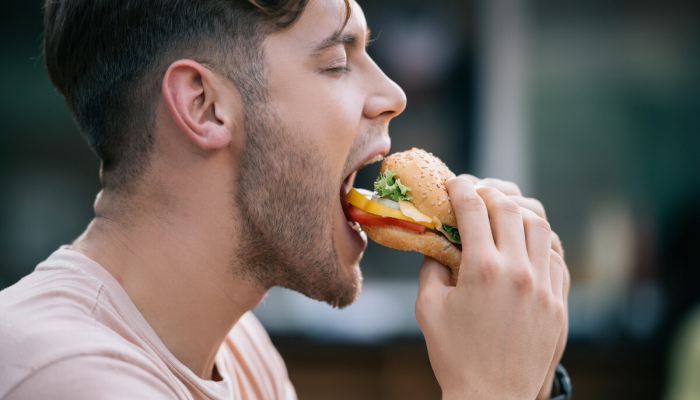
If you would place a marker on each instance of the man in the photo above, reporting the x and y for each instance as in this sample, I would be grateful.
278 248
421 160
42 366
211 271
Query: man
226 129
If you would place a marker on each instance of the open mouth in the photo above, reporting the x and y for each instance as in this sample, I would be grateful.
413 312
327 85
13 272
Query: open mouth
347 185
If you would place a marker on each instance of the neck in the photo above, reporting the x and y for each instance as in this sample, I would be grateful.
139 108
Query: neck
176 266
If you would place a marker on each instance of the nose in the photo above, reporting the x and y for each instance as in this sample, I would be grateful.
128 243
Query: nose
386 99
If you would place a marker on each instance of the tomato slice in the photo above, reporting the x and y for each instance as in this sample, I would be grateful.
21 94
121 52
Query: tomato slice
364 218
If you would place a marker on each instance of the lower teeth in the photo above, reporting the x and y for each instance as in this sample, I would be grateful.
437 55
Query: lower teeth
355 226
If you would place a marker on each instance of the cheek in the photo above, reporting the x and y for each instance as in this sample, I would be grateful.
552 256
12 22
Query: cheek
326 110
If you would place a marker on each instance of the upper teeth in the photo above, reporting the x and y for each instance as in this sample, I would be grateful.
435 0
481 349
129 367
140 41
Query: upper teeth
374 159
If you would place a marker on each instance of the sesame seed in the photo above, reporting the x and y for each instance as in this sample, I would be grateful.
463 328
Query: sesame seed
433 203
449 211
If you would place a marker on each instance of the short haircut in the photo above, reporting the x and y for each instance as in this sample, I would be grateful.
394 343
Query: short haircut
108 58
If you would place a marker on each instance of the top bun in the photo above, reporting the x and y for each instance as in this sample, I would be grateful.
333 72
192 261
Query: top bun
425 174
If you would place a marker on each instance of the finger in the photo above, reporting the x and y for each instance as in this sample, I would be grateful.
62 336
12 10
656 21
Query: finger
556 274
472 218
556 244
432 274
538 238
473 179
533 205
567 282
506 221
433 279
508 188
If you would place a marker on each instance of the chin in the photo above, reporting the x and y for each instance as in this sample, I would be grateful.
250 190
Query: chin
349 288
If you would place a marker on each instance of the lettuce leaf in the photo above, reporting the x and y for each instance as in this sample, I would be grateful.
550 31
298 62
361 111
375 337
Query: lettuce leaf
387 186
452 231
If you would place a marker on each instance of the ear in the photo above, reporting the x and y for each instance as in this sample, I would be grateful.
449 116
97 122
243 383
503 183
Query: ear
201 104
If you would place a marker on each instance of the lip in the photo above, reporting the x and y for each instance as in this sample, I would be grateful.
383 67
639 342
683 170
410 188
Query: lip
381 147
358 238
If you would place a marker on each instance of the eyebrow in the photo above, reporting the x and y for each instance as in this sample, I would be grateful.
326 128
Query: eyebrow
340 38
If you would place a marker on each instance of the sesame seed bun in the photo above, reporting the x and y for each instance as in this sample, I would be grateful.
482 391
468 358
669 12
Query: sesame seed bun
429 243
425 174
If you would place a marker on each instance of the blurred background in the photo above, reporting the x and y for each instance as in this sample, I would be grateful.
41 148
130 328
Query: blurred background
592 107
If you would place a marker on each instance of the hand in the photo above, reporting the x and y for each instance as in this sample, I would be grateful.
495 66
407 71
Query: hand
513 192
494 334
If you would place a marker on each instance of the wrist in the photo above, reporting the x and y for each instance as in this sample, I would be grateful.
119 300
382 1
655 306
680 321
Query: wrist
469 390
548 387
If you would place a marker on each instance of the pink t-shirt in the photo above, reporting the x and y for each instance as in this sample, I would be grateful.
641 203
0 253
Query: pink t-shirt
69 331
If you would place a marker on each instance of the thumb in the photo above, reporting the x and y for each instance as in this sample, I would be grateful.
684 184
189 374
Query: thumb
433 279
433 275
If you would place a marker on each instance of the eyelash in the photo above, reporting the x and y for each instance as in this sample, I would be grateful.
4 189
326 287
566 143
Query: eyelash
338 70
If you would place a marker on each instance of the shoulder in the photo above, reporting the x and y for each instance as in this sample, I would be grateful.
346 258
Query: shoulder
91 377
48 331
48 313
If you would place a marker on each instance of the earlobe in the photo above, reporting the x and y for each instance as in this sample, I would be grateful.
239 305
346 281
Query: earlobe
198 105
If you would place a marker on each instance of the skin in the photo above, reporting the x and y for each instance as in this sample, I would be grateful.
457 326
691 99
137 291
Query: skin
508 305
512 191
241 197
184 245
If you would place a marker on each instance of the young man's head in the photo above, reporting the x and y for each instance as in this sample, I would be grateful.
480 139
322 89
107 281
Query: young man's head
278 98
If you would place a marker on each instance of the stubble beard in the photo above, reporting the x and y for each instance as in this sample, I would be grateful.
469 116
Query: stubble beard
285 195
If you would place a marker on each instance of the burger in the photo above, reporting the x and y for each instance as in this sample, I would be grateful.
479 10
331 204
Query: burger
409 208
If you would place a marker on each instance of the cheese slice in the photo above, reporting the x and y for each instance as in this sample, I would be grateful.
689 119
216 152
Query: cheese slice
363 202
409 210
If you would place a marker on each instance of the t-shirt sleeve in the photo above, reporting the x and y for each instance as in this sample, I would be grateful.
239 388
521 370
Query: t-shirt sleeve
92 377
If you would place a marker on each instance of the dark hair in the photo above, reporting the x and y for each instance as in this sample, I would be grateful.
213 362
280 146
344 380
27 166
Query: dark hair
108 57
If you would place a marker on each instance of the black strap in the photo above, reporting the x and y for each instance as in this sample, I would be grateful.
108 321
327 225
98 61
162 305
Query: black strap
561 388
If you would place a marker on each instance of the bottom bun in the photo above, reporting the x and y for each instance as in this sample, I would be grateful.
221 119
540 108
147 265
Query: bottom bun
431 244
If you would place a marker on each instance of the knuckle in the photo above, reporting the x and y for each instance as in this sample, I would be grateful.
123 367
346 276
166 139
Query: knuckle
488 191
512 187
542 224
545 298
556 238
471 178
559 313
507 205
523 279
556 243
567 280
556 259
488 270
492 182
537 206
471 202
